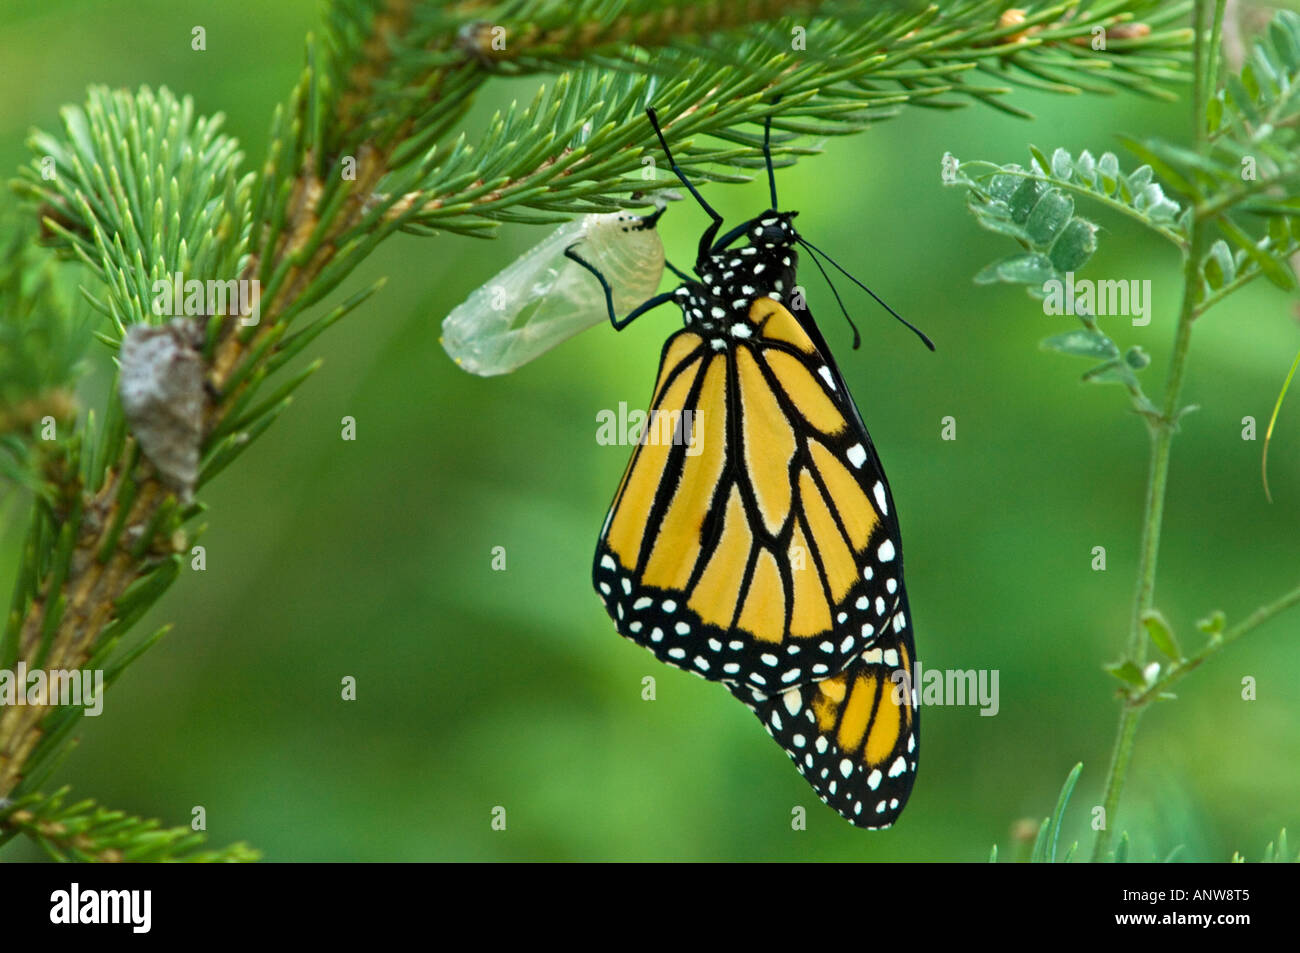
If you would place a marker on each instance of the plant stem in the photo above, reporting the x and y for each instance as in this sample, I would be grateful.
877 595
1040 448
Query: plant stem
1119 760
1162 435
1181 669
1206 60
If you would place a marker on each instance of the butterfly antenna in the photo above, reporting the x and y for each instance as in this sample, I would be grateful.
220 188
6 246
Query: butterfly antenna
857 338
840 268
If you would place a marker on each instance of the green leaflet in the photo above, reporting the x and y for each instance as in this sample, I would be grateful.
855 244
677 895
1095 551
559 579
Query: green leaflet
1037 208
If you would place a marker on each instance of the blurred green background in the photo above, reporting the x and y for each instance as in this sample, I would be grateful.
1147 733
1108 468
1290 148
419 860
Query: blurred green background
477 688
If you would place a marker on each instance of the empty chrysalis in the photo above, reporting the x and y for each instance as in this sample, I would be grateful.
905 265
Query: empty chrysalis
545 298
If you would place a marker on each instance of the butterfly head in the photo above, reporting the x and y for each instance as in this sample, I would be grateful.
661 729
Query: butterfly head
774 231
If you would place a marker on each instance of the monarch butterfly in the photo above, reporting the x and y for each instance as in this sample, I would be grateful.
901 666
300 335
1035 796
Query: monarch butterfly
544 298
770 560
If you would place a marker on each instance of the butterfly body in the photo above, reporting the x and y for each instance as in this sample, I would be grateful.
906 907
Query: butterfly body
753 539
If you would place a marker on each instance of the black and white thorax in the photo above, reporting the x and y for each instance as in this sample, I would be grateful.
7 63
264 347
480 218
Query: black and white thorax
718 305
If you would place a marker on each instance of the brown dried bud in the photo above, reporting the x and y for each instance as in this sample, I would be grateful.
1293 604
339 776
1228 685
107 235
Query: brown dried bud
163 397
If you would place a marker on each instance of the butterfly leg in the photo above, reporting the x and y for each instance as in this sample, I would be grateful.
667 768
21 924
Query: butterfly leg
632 315
743 227
706 240
734 234
651 220
677 271
767 157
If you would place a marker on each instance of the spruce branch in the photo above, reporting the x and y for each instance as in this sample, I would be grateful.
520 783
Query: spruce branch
43 339
859 68
935 39
88 832
365 146
1277 852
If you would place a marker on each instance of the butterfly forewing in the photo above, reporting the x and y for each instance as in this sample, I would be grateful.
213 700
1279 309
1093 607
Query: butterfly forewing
752 538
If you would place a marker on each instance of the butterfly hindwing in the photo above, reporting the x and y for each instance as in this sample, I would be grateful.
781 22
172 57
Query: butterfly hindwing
854 736
752 539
